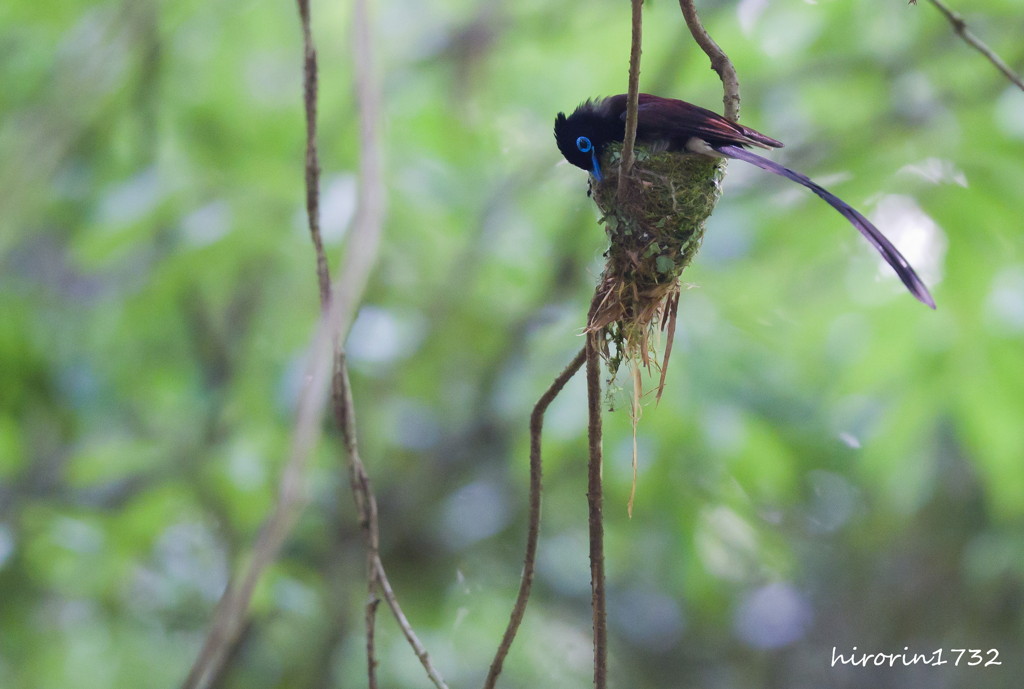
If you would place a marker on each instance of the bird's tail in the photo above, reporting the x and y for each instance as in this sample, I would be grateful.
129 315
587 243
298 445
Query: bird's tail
889 252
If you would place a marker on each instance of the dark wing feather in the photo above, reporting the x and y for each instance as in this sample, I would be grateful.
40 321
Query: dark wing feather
676 121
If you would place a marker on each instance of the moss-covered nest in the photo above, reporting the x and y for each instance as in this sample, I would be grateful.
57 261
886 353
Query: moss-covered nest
655 229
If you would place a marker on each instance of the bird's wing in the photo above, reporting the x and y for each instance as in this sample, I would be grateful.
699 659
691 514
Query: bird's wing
671 119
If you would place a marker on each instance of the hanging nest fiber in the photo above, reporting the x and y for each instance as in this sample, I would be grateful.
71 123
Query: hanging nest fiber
655 230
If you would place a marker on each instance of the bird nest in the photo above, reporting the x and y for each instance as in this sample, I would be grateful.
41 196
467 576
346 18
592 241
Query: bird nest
655 228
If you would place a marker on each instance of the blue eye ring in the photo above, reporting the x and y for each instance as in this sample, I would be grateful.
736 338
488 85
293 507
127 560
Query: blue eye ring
584 145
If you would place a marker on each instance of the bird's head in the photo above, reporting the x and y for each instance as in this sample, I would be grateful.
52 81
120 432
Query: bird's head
582 136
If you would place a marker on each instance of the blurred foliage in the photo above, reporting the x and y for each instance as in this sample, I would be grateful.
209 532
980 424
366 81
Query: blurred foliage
832 465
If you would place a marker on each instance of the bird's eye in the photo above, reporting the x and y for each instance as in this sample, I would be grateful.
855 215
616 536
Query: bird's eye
583 143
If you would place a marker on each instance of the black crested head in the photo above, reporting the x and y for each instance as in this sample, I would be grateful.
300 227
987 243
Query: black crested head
582 136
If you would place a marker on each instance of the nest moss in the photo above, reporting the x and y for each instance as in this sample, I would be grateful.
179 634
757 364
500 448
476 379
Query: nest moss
655 229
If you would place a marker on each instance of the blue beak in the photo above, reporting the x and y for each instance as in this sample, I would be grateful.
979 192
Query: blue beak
596 169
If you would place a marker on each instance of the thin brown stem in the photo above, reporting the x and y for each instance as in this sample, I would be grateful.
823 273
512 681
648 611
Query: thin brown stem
371 215
632 96
533 530
403 622
232 609
595 502
961 29
720 62
366 506
310 89
366 502
326 367
370 210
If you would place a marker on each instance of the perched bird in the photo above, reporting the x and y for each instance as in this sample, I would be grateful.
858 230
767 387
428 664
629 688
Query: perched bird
666 124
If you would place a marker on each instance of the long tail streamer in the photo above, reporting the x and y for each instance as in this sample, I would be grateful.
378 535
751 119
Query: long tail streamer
889 252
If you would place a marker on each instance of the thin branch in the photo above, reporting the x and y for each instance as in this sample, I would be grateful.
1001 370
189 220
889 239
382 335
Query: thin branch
632 96
366 502
310 89
421 652
369 216
595 501
322 366
961 30
366 505
533 532
230 614
720 62
233 607
371 184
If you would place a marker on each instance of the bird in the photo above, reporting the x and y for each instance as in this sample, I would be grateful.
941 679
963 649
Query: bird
667 124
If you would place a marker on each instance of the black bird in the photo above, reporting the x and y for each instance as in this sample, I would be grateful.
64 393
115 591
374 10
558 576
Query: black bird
666 124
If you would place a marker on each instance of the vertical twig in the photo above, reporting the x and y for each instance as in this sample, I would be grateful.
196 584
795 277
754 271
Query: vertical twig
310 91
720 62
233 606
961 30
326 367
595 497
232 609
370 207
595 502
632 96
533 531
370 217
366 504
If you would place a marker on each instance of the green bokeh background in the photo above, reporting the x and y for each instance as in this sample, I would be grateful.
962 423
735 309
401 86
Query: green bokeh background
832 464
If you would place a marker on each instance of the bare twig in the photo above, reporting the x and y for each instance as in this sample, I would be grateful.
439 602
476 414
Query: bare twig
595 501
533 531
632 96
366 505
370 211
233 607
961 30
403 622
720 62
326 365
310 90
369 216
229 617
